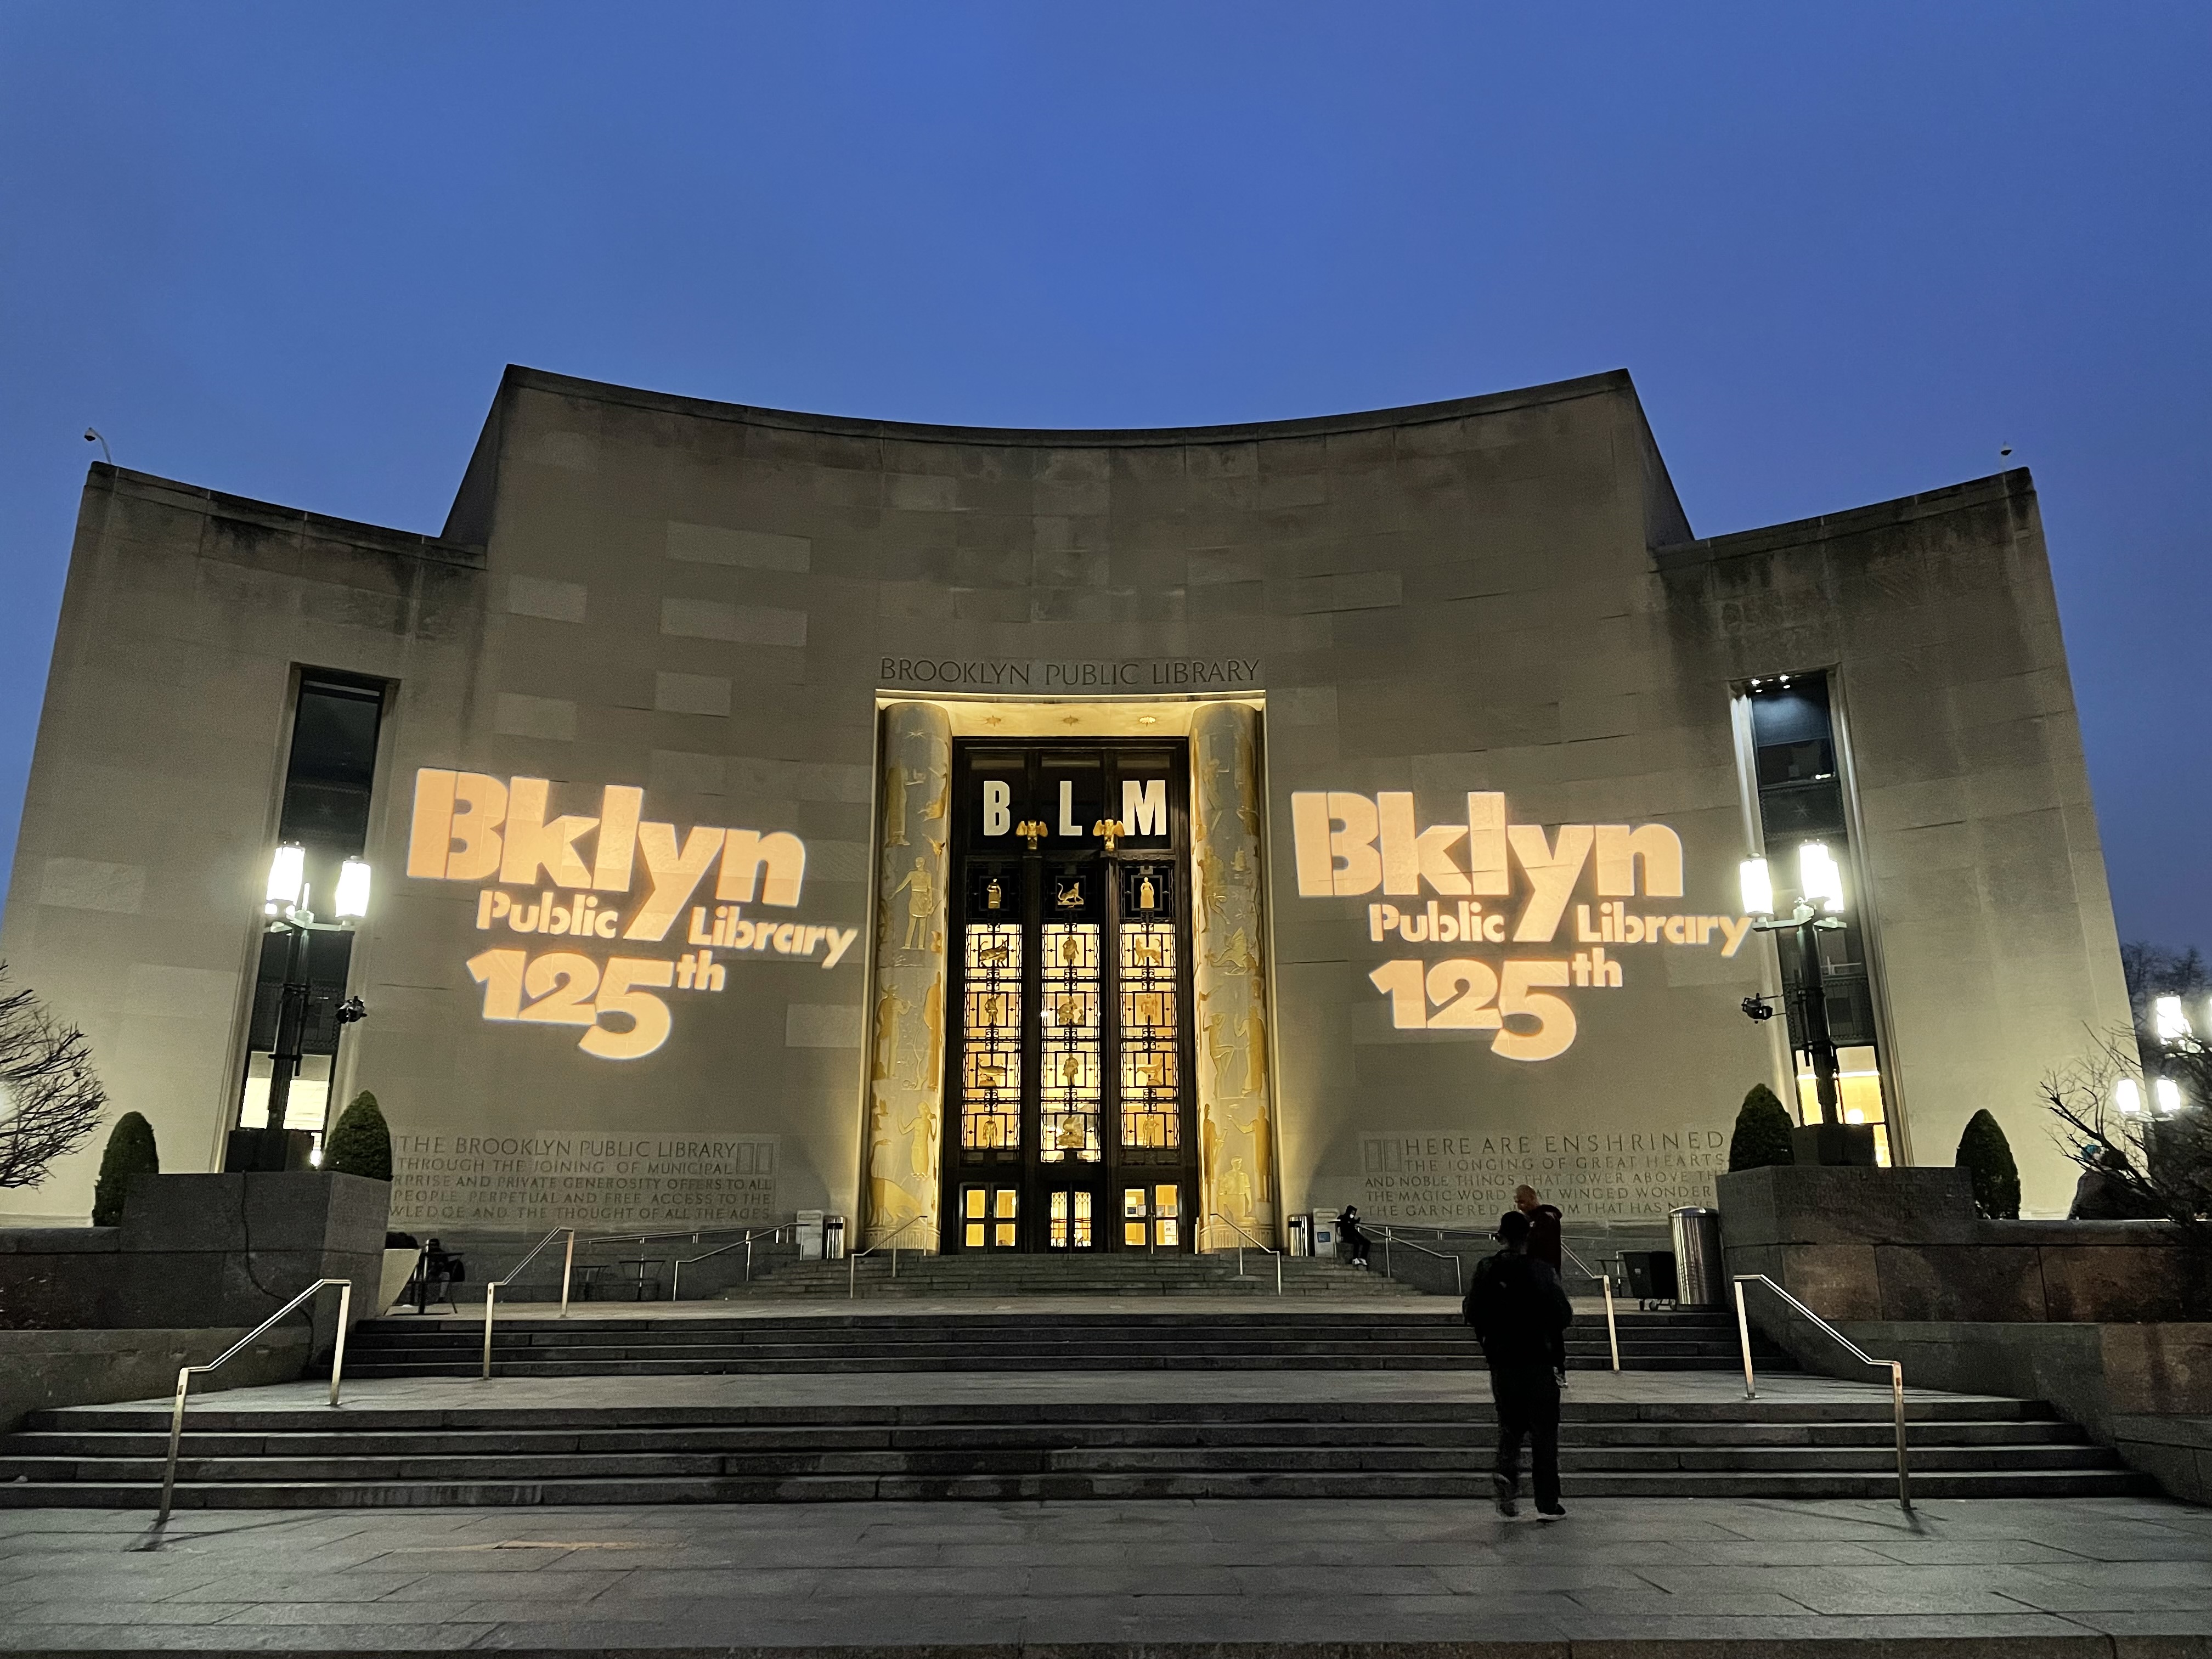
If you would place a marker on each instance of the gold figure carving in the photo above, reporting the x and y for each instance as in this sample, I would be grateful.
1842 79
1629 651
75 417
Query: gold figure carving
1147 897
920 888
1236 1193
895 808
1237 955
994 897
1069 897
1032 831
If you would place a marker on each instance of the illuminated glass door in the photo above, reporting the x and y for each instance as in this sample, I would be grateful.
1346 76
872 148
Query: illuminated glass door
1151 1216
990 1218
1069 1064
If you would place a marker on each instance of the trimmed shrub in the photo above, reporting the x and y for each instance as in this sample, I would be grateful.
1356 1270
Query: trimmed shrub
1762 1132
131 1150
1986 1155
361 1144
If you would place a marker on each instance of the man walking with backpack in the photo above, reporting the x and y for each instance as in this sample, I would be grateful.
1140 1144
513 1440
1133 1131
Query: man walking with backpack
1518 1307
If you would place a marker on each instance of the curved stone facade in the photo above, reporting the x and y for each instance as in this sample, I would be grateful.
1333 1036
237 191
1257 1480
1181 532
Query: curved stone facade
1474 748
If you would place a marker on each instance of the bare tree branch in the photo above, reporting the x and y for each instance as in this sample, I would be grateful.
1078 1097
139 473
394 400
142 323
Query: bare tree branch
2159 1166
50 1098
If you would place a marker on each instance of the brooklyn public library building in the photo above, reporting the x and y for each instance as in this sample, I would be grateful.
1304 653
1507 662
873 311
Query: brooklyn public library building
1058 841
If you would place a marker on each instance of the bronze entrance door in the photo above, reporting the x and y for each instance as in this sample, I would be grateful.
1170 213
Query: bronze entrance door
1069 1098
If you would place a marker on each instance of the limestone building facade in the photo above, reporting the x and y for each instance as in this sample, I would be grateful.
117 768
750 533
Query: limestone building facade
1060 840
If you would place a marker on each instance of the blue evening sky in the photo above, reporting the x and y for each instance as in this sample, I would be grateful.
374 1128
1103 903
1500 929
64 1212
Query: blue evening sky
1846 252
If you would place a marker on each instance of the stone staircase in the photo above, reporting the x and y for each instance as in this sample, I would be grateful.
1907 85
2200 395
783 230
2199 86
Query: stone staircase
917 1275
1004 1451
1409 1334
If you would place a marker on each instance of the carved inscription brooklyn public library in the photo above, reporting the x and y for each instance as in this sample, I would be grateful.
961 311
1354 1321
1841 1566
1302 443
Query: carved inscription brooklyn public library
573 877
1350 844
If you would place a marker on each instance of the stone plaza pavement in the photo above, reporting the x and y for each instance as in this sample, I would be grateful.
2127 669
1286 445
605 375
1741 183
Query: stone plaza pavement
1344 1579
1618 1578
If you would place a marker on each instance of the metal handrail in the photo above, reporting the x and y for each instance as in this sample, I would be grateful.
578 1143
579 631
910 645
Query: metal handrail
695 1234
1896 1369
853 1257
675 1277
1612 1327
185 1375
1459 1270
491 1290
1216 1215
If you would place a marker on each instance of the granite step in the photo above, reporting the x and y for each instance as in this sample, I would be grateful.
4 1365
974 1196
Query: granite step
240 1457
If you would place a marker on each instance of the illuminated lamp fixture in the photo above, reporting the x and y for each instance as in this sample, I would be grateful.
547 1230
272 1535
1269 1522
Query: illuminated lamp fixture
289 917
287 870
2168 1022
1758 888
2167 1095
352 901
2127 1095
1820 890
1818 876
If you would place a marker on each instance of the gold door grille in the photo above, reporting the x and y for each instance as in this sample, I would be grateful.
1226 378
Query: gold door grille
1150 1056
1069 1092
991 1029
1071 1221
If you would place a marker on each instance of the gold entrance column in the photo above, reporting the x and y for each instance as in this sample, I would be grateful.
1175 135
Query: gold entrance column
906 1085
1237 1164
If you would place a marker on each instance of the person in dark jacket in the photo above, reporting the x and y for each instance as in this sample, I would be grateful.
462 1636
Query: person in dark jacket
2102 1194
1518 1307
1351 1244
1544 1244
1544 1238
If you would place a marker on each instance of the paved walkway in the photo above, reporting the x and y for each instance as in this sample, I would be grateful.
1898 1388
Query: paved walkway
1428 1580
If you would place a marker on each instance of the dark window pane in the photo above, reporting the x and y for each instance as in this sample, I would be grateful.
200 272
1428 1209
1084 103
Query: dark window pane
1790 714
1799 812
329 955
333 767
1797 763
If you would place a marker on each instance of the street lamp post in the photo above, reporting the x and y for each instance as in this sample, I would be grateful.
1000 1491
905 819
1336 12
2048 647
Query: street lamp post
286 908
1820 896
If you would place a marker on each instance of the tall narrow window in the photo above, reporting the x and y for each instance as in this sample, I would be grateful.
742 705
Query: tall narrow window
1069 1084
1151 1085
329 776
1799 782
991 1025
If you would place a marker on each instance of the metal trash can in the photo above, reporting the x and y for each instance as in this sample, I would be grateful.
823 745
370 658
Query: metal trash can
1302 1234
1700 1271
1651 1275
1324 1235
808 1231
833 1238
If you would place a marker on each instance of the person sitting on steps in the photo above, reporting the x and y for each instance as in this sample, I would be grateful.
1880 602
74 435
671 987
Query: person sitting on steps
1351 1244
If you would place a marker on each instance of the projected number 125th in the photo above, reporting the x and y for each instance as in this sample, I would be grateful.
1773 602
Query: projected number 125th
1462 994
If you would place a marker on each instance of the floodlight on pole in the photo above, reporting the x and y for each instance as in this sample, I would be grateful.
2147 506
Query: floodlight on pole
1758 888
352 901
287 870
2127 1095
1820 877
2167 1094
2168 1020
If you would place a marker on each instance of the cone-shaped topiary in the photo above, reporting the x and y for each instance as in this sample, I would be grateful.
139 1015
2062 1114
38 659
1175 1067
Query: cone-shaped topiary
1762 1132
361 1144
1986 1155
129 1152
